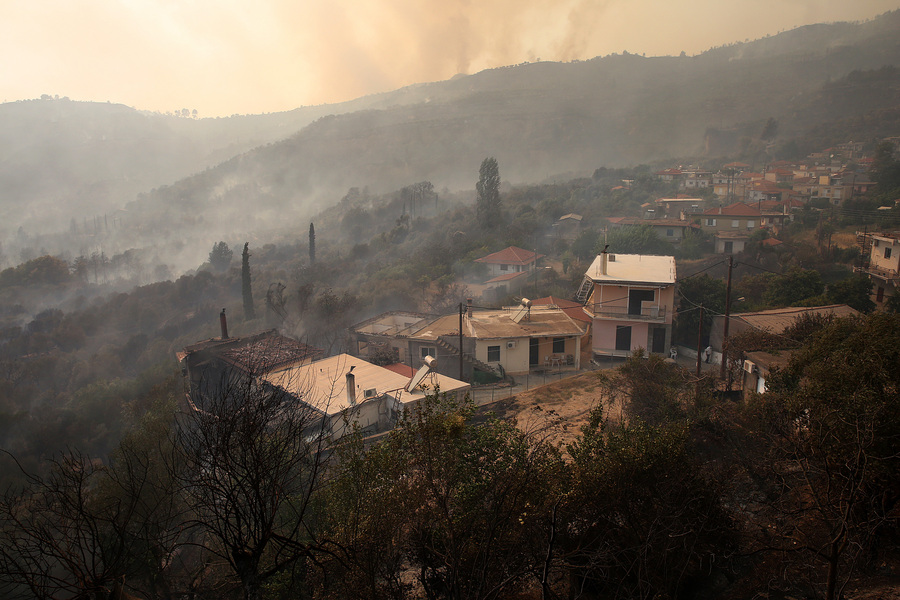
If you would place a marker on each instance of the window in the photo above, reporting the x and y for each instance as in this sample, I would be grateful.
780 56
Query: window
428 351
493 354
710 222
559 345
504 267
670 232
887 252
750 224
735 223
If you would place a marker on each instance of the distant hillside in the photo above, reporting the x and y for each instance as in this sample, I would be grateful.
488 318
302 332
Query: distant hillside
544 118
537 119
63 160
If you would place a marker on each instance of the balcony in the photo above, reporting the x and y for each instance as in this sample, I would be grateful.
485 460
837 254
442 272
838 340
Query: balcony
887 275
652 314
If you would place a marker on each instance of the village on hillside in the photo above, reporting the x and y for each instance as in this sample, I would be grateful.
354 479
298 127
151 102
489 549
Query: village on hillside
626 304
626 385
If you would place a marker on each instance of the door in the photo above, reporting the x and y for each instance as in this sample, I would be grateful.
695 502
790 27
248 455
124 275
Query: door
729 247
659 340
635 297
623 337
534 354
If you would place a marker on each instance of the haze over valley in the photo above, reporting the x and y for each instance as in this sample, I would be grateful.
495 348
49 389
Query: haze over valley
67 165
462 301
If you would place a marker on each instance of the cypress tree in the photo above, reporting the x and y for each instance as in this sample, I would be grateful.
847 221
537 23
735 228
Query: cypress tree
249 312
312 243
487 204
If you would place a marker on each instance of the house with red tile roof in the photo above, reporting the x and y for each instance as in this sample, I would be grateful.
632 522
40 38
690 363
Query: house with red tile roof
508 271
682 204
779 175
731 226
763 190
510 260
669 174
734 217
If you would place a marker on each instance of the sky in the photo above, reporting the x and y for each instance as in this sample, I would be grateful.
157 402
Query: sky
224 57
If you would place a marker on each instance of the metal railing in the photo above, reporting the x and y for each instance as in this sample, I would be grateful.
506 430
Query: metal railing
647 313
884 274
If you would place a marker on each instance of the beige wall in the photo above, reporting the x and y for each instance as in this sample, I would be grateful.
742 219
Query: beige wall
616 297
516 360
878 260
726 223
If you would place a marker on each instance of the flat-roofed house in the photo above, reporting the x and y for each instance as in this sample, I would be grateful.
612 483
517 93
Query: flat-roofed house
631 298
344 390
774 320
498 342
883 264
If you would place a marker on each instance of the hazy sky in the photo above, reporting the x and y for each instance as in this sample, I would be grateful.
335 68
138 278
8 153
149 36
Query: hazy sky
223 57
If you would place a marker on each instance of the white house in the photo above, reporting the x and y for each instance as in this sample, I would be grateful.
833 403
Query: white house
345 390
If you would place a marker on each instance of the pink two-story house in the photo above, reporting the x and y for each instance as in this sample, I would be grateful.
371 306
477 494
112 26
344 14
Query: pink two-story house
631 298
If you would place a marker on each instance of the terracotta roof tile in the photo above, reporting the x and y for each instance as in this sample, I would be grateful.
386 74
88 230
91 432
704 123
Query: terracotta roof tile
510 256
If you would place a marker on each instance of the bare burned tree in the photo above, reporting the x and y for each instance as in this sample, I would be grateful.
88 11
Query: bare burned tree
253 457
68 534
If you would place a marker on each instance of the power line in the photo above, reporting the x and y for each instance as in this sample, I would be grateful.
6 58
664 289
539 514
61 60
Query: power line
703 270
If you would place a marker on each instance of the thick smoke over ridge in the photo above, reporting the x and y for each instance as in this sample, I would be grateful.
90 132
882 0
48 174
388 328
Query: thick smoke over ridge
224 58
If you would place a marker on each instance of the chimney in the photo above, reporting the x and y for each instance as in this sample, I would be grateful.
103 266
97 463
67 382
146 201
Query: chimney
469 307
604 262
351 387
224 324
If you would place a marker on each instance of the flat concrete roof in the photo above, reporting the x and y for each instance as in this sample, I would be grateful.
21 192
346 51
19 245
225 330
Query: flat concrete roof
542 321
634 268
323 384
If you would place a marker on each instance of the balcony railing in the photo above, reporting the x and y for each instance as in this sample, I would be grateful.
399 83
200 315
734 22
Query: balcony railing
883 274
647 313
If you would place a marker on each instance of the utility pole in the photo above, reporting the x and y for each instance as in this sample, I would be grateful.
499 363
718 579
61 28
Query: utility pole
461 342
699 344
727 319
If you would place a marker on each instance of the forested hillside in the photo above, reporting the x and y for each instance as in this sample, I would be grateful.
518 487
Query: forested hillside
201 179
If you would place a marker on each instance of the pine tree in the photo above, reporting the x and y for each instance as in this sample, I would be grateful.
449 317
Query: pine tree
249 312
220 256
312 243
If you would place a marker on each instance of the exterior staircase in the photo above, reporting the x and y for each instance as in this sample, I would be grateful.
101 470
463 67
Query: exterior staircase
447 346
584 292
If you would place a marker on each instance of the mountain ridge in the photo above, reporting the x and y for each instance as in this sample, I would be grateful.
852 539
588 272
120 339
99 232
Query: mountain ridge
537 119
